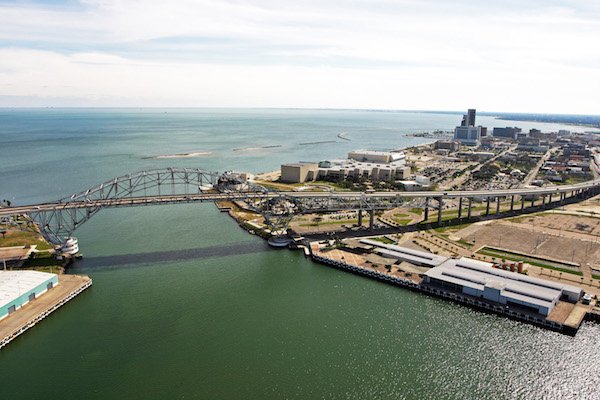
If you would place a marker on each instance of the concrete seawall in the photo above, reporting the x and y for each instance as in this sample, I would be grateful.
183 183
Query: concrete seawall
469 301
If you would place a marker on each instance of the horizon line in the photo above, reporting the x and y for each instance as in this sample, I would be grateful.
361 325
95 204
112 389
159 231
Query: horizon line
486 113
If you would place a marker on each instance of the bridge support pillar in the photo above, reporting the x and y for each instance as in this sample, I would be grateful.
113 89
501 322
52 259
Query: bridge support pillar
460 206
469 208
360 218
543 200
533 201
440 207
512 202
426 216
371 218
522 202
550 198
487 206
498 205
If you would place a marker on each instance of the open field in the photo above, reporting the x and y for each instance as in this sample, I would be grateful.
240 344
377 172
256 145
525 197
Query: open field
562 221
527 240
23 238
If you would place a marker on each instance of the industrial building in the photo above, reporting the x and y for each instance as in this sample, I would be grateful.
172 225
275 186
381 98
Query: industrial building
416 257
479 279
18 288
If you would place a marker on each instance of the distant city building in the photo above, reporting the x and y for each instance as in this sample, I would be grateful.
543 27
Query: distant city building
376 156
531 144
471 117
476 155
564 132
522 135
299 172
391 167
468 135
536 133
508 132
451 145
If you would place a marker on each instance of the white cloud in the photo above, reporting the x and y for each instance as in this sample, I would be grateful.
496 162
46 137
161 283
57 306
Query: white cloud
366 54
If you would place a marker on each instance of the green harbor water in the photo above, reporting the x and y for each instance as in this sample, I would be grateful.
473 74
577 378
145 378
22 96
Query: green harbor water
186 305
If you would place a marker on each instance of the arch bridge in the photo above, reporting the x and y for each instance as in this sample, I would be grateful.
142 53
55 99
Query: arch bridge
57 220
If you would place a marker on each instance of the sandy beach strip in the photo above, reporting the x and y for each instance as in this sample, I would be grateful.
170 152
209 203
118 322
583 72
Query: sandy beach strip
181 155
257 148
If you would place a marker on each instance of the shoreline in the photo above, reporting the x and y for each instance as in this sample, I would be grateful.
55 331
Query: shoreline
179 155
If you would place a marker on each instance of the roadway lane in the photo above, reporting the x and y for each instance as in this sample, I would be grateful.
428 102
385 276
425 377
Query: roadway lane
211 197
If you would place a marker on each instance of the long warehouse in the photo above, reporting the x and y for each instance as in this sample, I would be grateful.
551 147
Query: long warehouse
18 288
481 280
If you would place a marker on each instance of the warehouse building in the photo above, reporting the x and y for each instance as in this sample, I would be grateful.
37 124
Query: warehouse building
416 257
18 288
479 279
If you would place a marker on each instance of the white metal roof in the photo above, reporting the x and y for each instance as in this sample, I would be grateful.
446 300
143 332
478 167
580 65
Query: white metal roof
410 255
478 275
16 283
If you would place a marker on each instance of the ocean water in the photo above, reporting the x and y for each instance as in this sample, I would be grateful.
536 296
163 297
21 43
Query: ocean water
186 305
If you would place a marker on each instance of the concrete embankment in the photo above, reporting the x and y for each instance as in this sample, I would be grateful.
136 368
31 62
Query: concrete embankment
26 317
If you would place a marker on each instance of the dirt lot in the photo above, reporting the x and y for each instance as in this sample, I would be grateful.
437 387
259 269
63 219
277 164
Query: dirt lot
563 221
532 240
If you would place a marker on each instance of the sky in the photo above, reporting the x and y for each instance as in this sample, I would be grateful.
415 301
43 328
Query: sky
506 55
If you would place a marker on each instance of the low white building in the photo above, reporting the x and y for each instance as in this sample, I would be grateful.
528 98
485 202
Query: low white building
384 157
417 257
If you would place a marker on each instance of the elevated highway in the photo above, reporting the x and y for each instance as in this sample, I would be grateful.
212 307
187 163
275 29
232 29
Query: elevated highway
57 220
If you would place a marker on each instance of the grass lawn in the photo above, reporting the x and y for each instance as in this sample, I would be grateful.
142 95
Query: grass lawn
42 262
384 240
458 227
23 238
340 222
464 243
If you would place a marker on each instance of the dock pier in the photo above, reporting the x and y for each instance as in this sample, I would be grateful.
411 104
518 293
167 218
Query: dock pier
29 315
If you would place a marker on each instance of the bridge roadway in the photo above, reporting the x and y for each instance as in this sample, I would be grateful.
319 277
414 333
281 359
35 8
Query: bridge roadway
244 196
58 220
